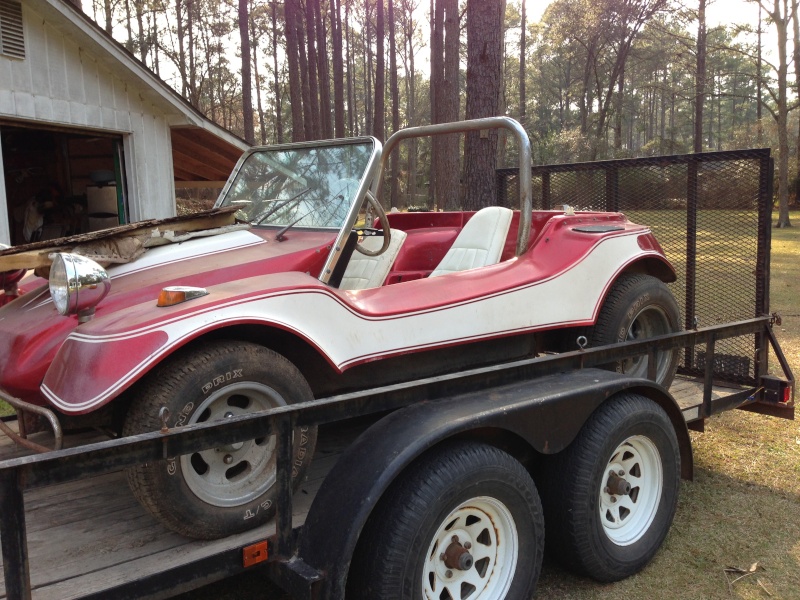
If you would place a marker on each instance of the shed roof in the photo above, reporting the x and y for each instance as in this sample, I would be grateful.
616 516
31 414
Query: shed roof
201 149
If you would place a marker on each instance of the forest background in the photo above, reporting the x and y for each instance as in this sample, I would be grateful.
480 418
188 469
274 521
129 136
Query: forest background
588 79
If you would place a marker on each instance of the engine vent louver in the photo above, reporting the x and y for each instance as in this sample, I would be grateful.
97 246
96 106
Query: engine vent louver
12 42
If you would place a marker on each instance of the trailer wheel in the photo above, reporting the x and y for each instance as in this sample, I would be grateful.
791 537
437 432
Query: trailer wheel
638 307
464 522
611 495
228 489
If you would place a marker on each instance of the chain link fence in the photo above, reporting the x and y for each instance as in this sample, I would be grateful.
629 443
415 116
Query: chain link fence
711 213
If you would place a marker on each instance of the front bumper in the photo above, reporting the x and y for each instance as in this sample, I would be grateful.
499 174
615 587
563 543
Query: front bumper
21 437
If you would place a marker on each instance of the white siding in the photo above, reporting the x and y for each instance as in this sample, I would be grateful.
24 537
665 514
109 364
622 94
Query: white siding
60 83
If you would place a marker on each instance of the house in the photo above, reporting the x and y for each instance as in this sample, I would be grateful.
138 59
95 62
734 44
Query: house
89 137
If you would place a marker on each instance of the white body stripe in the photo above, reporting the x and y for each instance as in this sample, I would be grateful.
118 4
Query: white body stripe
347 336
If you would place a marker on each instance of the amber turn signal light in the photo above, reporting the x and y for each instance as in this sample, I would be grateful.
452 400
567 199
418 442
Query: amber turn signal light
170 296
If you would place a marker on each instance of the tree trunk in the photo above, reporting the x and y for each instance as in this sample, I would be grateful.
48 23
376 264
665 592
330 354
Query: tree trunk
295 83
181 34
379 123
350 68
700 76
796 32
447 160
247 77
522 50
781 22
326 130
394 194
338 68
315 126
411 110
484 80
276 90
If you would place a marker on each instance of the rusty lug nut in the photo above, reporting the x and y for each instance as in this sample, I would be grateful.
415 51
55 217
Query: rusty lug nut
613 499
606 490
467 545
455 539
228 459
621 473
448 573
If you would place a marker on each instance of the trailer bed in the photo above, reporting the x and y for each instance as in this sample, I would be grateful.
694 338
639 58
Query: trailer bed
90 536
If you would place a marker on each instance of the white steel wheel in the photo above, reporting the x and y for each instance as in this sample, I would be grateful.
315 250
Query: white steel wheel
610 497
473 554
463 522
629 501
237 473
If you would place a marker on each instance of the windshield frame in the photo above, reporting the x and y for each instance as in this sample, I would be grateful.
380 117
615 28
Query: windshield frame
367 184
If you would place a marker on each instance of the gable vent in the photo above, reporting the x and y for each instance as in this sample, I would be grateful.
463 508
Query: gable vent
11 41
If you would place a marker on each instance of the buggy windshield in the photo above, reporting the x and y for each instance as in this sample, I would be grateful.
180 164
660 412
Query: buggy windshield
299 186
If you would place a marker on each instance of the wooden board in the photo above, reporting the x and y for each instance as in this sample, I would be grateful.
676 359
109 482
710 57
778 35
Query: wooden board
36 255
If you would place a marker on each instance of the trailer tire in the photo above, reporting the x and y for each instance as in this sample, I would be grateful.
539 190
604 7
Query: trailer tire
596 528
460 498
224 490
639 306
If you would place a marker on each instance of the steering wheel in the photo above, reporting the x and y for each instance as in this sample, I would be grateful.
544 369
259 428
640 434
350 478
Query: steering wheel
385 231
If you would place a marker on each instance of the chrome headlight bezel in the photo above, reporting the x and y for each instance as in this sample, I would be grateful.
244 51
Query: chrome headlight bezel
77 285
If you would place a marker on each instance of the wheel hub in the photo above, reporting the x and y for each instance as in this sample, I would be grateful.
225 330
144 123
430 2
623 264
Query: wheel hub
473 554
457 556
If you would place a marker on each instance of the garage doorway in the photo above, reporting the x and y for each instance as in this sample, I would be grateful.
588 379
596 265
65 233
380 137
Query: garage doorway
60 182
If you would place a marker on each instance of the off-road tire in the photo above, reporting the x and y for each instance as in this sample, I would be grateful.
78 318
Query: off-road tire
636 307
220 376
583 532
474 488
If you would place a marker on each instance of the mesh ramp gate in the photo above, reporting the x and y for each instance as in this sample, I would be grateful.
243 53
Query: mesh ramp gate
711 212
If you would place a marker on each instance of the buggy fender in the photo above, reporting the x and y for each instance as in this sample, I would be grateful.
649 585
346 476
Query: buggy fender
547 413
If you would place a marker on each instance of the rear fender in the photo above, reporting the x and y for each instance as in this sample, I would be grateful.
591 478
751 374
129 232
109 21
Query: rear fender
534 411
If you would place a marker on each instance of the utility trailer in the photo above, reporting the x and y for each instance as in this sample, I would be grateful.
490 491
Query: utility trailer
435 356
70 530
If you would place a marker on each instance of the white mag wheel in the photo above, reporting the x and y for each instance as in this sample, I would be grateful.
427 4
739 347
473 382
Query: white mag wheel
473 554
237 473
629 500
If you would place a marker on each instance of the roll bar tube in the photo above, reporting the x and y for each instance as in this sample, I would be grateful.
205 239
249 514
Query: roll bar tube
525 162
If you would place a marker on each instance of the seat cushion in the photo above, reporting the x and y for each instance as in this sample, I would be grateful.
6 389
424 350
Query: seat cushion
364 272
480 243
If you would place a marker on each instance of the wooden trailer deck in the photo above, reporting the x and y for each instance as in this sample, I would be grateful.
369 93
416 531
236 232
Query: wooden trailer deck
86 537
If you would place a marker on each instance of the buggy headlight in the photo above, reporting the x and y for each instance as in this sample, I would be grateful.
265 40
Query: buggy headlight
77 285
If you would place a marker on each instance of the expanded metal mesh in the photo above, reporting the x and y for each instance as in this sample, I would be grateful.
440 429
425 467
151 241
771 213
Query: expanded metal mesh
711 214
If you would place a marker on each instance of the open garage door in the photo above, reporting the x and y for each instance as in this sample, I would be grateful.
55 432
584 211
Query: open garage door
60 182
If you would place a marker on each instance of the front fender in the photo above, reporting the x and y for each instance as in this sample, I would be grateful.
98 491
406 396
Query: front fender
547 413
104 357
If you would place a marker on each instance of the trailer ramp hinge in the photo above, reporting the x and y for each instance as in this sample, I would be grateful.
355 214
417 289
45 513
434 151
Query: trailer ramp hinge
775 319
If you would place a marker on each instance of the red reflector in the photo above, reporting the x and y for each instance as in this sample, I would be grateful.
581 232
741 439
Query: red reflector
787 394
254 554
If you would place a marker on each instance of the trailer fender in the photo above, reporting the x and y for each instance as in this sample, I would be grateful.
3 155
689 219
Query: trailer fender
536 411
